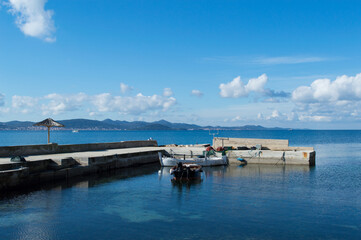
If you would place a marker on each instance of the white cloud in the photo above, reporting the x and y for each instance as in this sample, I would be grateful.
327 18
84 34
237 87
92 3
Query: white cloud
275 115
237 118
24 104
125 88
2 100
196 93
132 105
233 89
32 18
167 92
316 118
92 114
344 88
257 84
326 100
236 87
56 103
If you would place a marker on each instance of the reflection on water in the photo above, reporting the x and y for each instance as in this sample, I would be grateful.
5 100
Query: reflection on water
244 171
86 181
230 202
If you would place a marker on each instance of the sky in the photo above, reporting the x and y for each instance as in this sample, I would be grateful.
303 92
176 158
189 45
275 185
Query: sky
289 63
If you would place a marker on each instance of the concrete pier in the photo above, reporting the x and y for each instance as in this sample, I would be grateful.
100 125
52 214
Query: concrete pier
56 162
266 151
255 151
55 166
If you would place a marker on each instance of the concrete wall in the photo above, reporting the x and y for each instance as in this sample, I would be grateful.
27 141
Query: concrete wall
273 157
24 174
267 144
55 148
249 142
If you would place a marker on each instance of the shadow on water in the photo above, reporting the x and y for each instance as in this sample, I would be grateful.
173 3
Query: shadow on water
88 181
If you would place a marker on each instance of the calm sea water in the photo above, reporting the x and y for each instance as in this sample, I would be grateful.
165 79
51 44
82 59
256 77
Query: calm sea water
296 137
251 202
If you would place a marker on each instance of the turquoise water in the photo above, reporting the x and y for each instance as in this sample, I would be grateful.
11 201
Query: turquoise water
251 202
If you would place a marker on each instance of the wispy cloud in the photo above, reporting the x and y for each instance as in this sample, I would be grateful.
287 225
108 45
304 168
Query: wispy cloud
24 104
236 60
2 104
196 93
167 92
125 88
2 101
32 18
287 60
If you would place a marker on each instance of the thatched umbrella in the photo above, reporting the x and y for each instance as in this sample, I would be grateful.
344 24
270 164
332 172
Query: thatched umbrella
49 123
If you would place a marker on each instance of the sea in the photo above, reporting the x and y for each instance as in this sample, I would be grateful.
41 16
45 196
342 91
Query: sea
231 202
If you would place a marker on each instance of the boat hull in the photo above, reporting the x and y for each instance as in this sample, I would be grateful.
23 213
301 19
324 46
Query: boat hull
204 161
186 172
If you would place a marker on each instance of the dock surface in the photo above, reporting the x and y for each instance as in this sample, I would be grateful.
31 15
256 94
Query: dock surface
83 157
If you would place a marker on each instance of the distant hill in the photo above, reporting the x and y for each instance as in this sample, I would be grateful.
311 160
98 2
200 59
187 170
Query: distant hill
108 124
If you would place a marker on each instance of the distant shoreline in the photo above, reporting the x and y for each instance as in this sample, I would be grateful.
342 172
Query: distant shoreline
134 130
117 125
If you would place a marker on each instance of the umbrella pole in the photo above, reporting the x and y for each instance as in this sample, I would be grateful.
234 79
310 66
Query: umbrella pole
48 135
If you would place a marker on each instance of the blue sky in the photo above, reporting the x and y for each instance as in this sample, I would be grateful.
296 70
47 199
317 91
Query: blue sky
275 63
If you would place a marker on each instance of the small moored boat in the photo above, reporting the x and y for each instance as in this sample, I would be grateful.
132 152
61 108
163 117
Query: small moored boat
186 172
209 158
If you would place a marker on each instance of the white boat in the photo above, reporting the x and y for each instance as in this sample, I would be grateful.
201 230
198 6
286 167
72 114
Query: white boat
75 131
204 161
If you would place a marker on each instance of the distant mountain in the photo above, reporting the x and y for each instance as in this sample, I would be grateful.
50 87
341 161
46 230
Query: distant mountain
177 125
86 123
153 127
108 124
19 124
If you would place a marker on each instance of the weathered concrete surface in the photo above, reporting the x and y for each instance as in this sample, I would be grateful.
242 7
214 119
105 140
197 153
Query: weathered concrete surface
249 142
41 168
83 157
273 157
267 144
54 148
